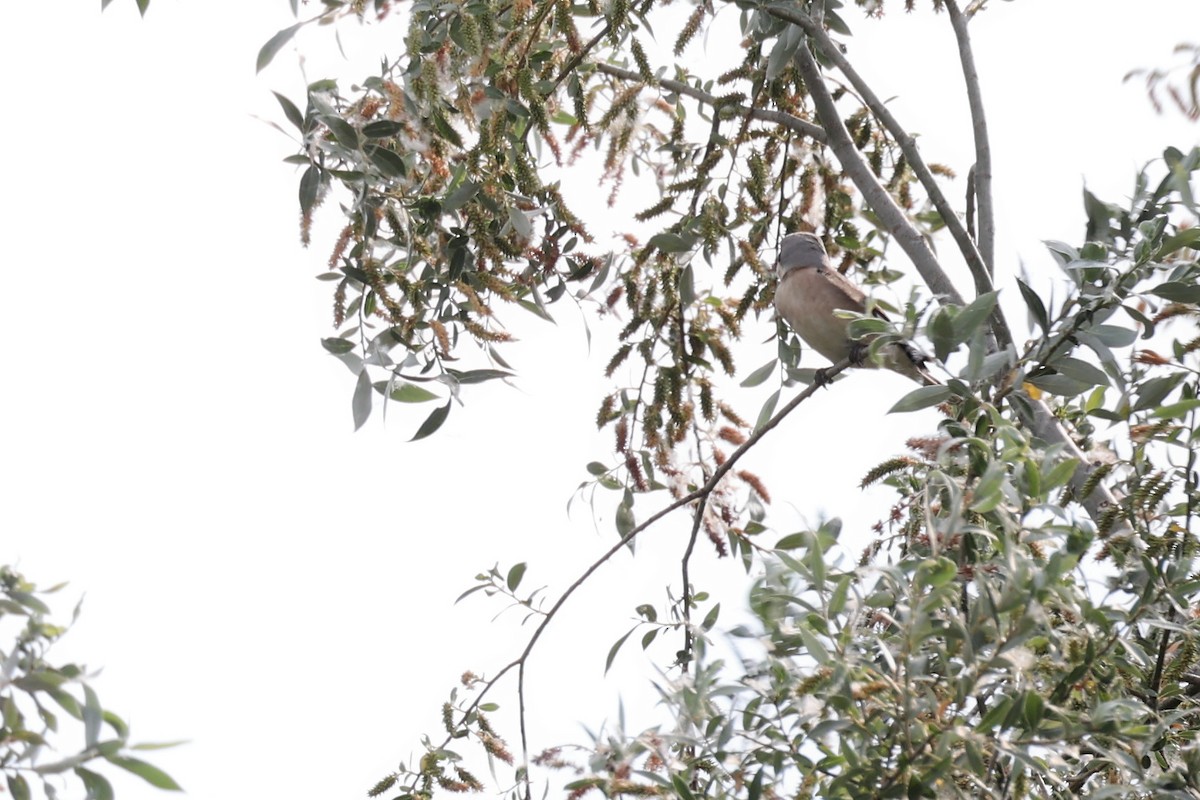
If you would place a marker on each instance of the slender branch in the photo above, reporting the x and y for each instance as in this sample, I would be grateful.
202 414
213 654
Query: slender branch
524 735
688 638
699 494
971 201
980 268
789 121
983 149
877 197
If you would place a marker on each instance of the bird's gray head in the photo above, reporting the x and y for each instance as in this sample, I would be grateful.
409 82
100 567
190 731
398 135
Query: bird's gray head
799 250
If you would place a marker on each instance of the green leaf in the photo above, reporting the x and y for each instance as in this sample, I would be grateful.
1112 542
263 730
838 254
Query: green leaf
680 785
1081 371
478 375
968 320
520 222
1061 474
813 645
1060 385
1113 335
940 331
432 422
361 403
1176 409
767 410
988 491
1154 391
793 541
1037 309
273 45
936 572
93 714
671 242
411 393
147 772
381 129
1178 292
290 111
390 164
781 54
159 745
710 618
625 521
337 345
687 286
98 787
310 184
342 131
761 374
1188 237
18 787
514 576
446 129
612 651
460 196
755 790
923 397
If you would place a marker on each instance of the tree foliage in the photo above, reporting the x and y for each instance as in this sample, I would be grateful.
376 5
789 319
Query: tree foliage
1023 624
34 693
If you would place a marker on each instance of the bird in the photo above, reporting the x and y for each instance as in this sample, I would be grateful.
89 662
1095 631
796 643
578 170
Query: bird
810 292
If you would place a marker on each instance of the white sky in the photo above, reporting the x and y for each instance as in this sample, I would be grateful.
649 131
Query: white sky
268 584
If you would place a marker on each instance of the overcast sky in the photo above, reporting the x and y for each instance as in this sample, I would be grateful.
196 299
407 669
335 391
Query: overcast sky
278 589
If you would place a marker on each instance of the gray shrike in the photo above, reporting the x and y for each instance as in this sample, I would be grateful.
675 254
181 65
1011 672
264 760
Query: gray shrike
809 293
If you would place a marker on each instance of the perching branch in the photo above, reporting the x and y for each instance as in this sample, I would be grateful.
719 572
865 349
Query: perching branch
876 196
1044 424
980 268
700 495
983 149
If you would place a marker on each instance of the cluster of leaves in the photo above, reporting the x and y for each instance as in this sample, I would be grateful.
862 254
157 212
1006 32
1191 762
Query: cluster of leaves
1185 94
450 162
993 642
33 692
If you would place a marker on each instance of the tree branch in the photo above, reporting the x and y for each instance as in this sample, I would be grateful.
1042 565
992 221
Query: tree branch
789 121
700 494
980 268
876 196
1044 424
983 149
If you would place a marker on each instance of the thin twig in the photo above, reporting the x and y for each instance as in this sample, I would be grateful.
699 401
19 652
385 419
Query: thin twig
876 196
789 121
699 494
983 149
688 638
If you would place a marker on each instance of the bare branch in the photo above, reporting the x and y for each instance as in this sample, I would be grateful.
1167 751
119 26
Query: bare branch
700 494
983 149
876 196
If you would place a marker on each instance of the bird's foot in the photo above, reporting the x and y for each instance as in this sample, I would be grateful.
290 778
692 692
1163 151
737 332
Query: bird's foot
821 378
858 353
